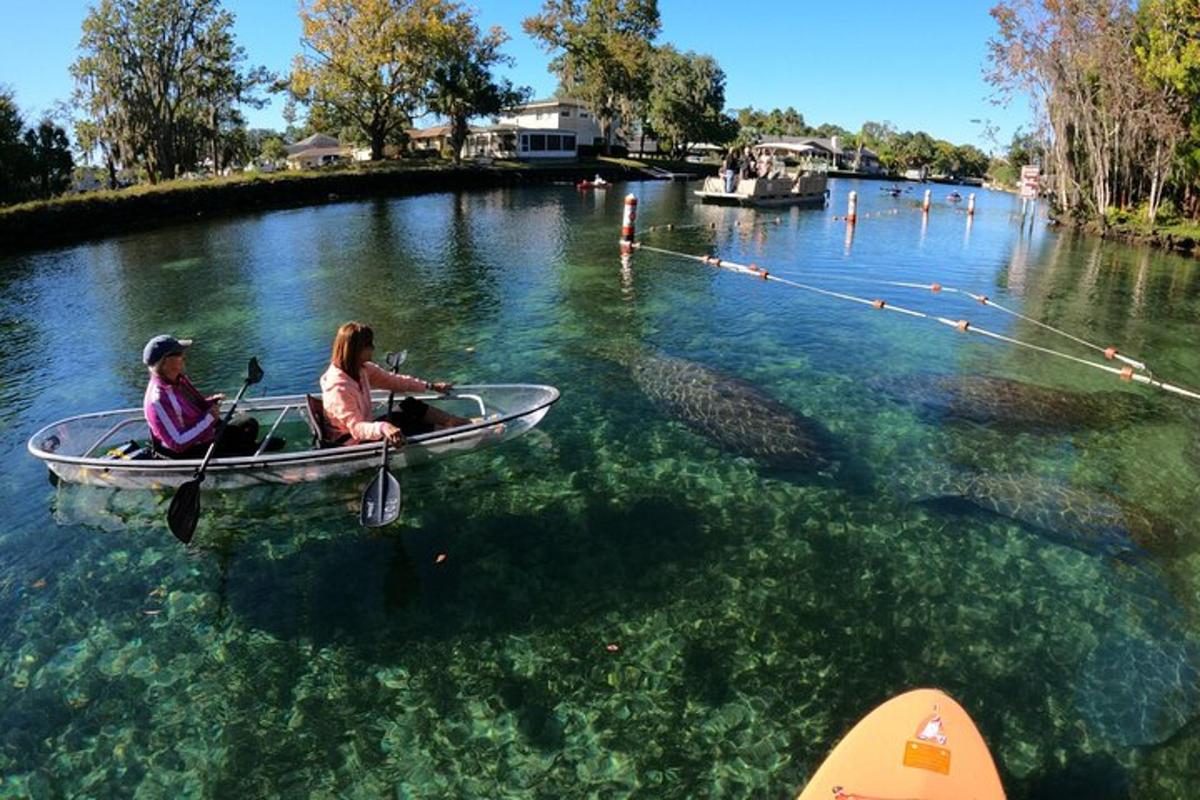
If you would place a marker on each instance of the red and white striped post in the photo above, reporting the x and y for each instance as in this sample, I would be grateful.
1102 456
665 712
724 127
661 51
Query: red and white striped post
627 224
925 203
852 208
971 204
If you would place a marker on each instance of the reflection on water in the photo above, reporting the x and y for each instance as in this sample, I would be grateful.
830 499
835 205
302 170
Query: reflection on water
633 598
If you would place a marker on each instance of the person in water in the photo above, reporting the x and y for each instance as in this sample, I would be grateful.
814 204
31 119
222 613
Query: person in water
183 422
346 393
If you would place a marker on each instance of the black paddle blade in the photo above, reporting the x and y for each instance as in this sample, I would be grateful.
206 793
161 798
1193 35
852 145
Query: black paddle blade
380 501
254 372
184 512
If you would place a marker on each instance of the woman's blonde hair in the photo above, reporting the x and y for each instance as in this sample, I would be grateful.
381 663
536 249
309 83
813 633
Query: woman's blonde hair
352 338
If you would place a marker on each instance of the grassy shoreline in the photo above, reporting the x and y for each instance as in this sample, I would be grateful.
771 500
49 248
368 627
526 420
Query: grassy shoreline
70 219
1179 237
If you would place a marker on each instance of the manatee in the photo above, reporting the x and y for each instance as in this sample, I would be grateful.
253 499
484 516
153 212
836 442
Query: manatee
1092 521
734 414
1006 402
1138 688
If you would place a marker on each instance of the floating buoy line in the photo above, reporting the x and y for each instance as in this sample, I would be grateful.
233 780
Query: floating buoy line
1133 370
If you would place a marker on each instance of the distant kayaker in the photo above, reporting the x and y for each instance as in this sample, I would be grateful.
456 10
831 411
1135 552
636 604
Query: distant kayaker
183 422
346 393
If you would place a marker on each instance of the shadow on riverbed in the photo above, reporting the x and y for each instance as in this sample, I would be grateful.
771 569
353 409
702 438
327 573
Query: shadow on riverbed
501 573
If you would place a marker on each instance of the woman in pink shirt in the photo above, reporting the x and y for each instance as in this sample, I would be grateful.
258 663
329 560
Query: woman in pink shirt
346 393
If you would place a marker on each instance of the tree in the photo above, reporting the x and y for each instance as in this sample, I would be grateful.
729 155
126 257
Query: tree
222 87
828 130
686 101
273 149
461 84
972 162
602 49
14 165
154 79
945 158
365 64
1111 112
876 134
1168 51
49 158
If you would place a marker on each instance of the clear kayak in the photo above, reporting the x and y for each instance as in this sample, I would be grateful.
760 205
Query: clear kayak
96 448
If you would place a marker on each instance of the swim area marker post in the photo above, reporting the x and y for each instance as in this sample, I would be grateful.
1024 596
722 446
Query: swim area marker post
971 204
627 224
852 208
925 203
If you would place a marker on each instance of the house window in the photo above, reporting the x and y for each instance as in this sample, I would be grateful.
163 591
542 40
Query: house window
566 112
554 142
537 142
568 143
524 143
583 115
539 115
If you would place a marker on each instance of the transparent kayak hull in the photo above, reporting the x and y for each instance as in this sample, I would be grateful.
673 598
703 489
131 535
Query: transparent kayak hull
79 449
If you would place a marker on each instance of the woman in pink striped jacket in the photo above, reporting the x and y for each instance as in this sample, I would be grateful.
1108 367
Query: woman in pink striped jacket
183 422
346 394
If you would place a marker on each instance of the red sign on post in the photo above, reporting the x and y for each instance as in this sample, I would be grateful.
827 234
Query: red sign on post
1029 181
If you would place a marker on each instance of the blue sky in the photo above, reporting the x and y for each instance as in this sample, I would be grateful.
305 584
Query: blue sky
917 64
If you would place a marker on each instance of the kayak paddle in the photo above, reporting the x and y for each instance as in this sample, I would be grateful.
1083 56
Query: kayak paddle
185 505
381 499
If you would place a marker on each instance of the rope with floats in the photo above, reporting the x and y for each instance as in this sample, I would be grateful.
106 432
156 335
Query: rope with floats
1111 353
1125 373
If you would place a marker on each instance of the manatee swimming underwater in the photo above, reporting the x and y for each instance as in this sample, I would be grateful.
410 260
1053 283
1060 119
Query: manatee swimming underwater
1092 521
734 414
1003 401
1138 688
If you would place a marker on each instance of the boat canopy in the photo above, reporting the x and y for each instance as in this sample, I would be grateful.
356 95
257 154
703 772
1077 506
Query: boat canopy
793 148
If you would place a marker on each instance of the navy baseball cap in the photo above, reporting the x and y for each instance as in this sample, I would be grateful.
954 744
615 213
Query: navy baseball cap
162 346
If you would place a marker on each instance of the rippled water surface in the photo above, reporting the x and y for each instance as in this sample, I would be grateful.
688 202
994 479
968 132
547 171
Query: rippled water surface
643 596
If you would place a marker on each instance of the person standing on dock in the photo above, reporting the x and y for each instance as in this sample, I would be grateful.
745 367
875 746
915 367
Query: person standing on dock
749 167
729 170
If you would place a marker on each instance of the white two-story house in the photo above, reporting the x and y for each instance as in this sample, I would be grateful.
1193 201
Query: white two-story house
553 128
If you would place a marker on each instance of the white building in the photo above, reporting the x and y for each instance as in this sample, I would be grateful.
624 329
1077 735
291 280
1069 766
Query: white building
317 150
553 128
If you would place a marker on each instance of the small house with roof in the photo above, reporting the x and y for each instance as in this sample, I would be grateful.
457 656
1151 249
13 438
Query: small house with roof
318 150
823 153
429 140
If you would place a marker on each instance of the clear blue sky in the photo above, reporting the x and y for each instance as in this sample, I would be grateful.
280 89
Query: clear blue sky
917 64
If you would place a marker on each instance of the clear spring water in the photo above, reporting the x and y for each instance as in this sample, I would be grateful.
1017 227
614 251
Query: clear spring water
626 606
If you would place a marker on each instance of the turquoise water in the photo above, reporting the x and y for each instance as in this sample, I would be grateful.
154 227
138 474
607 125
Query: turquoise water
628 605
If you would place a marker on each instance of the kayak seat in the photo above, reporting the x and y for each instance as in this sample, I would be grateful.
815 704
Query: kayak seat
318 426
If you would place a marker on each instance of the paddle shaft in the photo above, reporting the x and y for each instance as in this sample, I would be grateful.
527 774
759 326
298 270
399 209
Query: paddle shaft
221 429
388 418
384 463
